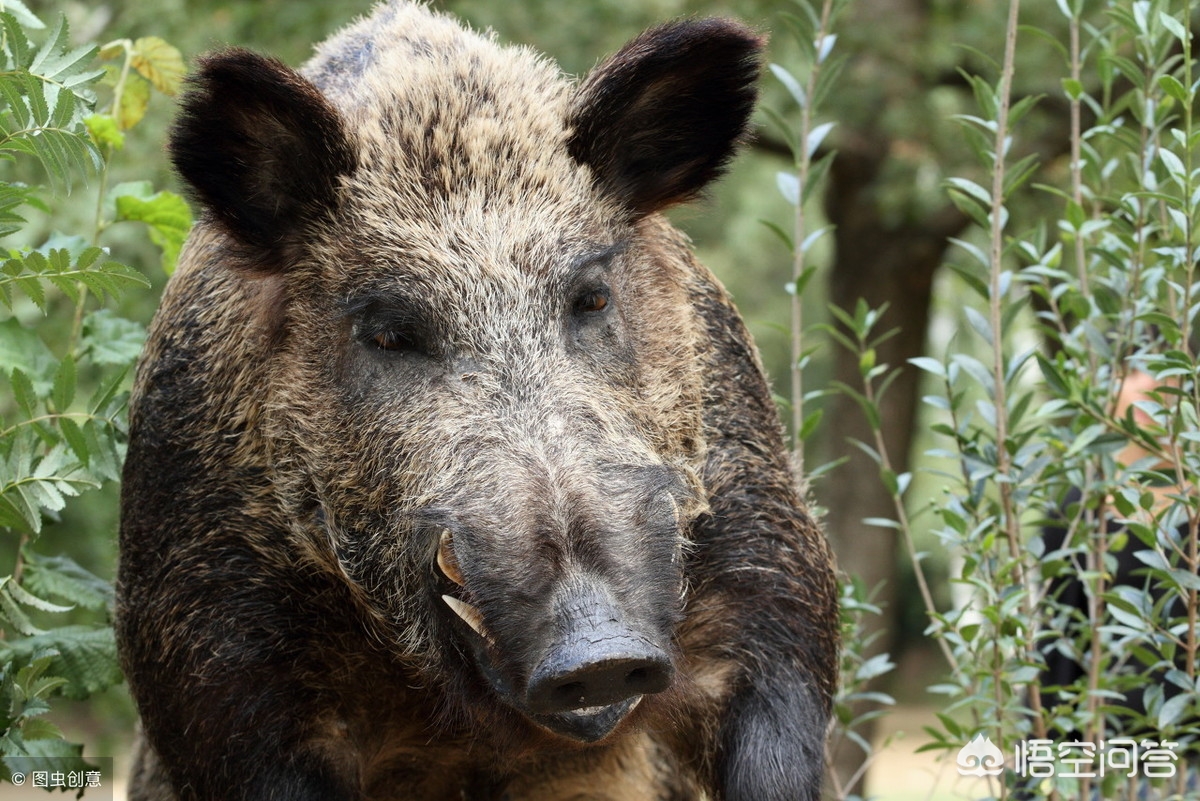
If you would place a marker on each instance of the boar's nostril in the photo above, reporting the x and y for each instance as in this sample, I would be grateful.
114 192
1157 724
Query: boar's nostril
579 675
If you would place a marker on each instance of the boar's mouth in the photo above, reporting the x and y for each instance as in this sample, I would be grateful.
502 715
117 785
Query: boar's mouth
592 675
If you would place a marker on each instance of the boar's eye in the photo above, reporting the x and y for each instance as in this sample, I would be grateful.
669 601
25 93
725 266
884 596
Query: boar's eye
593 301
390 324
393 340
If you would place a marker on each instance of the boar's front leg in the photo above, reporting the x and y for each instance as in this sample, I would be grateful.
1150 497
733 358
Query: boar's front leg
778 626
763 576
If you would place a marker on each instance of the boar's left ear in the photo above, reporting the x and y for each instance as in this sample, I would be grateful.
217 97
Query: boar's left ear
660 119
262 150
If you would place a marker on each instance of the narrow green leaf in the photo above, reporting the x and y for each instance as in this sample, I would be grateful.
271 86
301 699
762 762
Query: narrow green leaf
1176 29
63 392
23 392
809 426
74 439
790 83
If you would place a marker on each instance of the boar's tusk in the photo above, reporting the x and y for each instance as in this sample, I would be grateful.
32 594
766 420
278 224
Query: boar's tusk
469 614
446 560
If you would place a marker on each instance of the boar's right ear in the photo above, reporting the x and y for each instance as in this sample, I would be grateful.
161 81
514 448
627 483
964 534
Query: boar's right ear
661 118
262 150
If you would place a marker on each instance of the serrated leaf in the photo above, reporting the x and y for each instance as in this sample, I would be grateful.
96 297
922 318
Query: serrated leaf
51 755
61 577
110 340
63 392
57 63
107 392
14 616
87 657
26 598
23 15
74 438
40 729
23 392
160 63
22 349
105 461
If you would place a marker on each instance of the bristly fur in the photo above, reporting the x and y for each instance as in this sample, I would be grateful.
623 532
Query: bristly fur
430 305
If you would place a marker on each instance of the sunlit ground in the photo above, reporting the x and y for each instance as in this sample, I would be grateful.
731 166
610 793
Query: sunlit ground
901 774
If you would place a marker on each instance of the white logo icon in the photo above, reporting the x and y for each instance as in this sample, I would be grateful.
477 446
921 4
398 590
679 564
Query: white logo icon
980 757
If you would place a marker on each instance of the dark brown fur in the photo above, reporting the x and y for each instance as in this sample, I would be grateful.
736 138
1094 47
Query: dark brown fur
280 615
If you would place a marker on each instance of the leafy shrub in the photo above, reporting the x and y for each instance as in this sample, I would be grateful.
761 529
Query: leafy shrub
65 355
1056 477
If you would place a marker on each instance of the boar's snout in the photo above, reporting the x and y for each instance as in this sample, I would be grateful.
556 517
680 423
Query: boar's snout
595 670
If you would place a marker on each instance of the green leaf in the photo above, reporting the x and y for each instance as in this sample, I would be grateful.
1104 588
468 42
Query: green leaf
23 392
929 365
811 421
1054 378
38 729
45 96
23 15
61 577
111 340
26 598
789 186
816 174
22 349
875 666
11 613
1173 709
1176 29
169 218
74 438
104 131
135 99
1171 85
87 657
160 63
64 384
